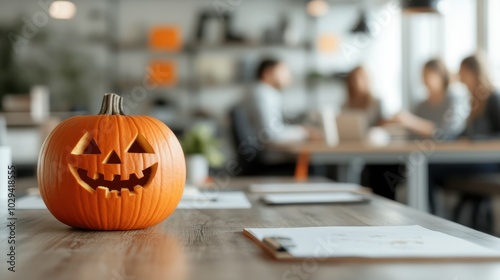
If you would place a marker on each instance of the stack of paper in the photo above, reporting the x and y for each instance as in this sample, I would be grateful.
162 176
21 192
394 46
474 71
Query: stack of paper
386 242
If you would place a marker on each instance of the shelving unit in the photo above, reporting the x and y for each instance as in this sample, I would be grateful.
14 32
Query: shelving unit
245 54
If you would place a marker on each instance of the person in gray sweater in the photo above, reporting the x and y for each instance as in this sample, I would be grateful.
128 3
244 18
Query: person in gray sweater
443 114
483 121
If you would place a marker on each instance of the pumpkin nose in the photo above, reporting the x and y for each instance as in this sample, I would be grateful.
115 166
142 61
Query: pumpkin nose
112 158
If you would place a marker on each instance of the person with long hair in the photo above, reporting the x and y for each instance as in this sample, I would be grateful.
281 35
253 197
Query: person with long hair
484 118
443 113
483 121
440 116
360 97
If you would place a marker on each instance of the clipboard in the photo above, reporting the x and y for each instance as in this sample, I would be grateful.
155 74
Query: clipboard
279 247
276 250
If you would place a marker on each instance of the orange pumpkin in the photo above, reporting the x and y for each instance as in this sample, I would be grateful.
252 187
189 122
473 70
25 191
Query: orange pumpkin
111 171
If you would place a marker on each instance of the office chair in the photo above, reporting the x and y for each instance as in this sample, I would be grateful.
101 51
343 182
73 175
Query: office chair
482 192
241 132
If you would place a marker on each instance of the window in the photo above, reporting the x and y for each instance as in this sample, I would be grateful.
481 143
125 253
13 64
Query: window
450 36
460 31
494 39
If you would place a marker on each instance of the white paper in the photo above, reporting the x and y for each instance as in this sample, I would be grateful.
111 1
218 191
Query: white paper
312 198
304 187
34 202
374 242
220 200
192 193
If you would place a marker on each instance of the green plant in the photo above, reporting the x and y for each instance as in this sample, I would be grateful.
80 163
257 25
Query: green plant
201 140
11 81
60 61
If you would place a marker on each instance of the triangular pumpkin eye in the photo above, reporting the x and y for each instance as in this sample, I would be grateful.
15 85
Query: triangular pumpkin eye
86 146
136 148
140 145
92 148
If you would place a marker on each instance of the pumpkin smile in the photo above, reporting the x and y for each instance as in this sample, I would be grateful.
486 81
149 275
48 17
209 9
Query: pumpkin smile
117 184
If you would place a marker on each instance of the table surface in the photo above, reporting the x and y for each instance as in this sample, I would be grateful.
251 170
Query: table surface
394 147
209 244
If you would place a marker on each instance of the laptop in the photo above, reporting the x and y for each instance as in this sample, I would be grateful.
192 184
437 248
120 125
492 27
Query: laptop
349 126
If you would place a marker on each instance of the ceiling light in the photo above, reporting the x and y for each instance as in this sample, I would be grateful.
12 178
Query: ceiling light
62 9
317 8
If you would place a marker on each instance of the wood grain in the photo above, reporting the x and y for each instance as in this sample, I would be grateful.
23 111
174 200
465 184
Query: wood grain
209 244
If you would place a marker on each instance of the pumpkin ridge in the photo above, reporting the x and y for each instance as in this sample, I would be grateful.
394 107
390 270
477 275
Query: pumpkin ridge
160 173
83 221
95 199
166 133
136 213
161 128
159 197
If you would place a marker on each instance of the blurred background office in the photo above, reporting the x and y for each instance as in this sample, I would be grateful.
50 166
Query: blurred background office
192 63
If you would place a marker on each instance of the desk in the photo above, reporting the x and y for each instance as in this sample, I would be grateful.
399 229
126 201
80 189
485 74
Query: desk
415 155
209 245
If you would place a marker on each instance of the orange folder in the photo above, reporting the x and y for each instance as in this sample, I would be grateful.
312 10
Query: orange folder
163 72
165 38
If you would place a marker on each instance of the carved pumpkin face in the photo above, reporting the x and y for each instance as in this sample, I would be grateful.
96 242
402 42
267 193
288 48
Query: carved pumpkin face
111 172
109 168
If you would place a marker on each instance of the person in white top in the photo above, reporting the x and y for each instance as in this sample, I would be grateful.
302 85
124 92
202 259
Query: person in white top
263 106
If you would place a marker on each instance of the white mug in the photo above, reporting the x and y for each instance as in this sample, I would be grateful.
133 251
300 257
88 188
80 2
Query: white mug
197 169
5 162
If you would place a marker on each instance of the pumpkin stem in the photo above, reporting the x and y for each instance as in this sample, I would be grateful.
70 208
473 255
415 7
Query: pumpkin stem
112 104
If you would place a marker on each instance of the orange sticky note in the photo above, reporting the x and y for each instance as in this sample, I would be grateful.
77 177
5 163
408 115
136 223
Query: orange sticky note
165 38
162 72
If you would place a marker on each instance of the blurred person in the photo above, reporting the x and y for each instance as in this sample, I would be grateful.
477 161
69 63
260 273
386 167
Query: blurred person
263 105
484 118
360 97
483 121
442 115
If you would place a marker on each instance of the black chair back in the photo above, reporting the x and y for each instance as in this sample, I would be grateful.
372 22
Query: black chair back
248 154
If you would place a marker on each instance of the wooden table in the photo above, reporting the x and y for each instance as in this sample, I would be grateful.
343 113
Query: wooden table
209 245
414 155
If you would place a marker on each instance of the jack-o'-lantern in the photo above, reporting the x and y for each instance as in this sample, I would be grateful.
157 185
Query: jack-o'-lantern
111 171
